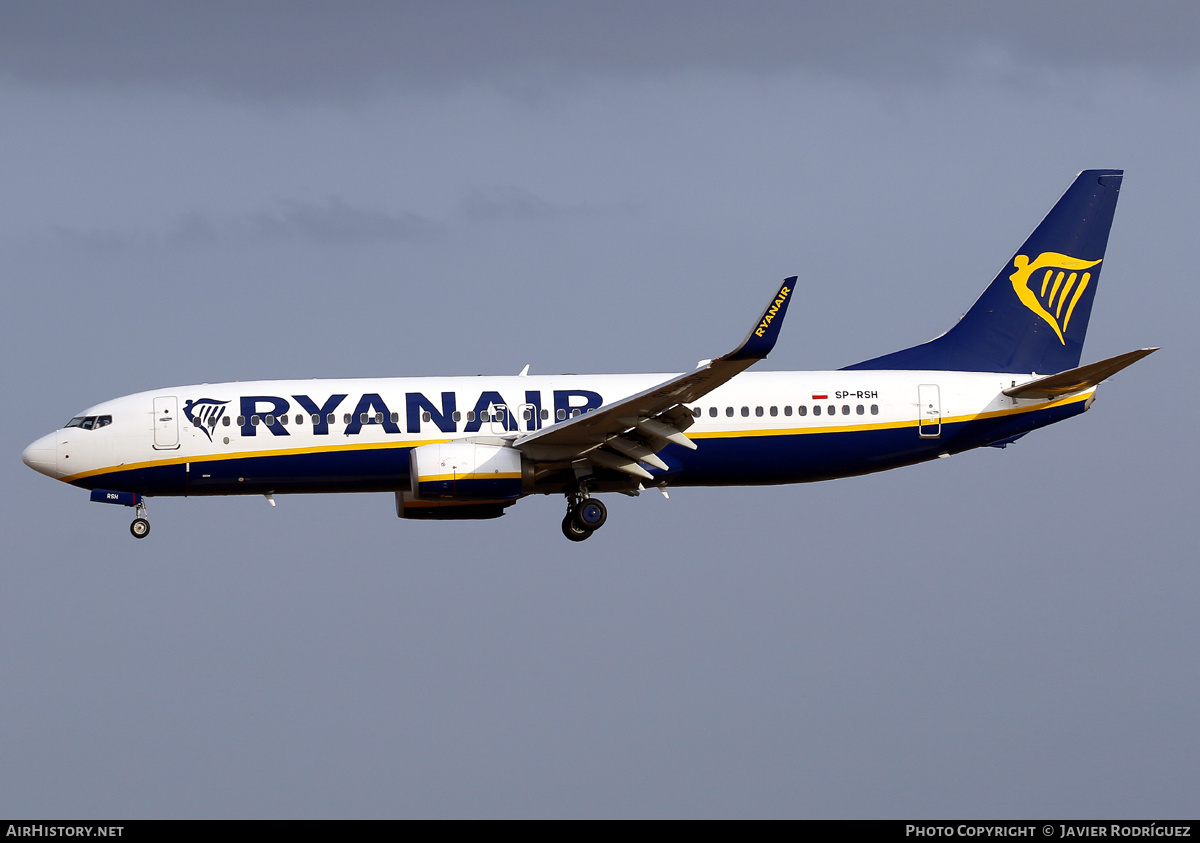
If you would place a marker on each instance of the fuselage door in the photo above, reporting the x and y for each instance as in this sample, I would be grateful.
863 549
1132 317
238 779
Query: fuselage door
929 411
166 422
527 416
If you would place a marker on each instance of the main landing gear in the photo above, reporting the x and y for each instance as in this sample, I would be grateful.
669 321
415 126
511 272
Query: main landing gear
584 516
141 525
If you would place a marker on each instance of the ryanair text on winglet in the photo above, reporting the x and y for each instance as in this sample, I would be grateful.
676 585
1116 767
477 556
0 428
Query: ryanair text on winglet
771 311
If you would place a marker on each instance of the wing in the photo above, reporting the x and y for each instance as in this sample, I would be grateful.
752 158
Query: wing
630 431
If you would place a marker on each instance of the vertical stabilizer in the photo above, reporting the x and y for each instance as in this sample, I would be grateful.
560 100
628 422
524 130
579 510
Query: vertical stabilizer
1034 315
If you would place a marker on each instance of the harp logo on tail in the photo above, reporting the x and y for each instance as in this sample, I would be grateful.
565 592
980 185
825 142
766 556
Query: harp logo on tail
1051 285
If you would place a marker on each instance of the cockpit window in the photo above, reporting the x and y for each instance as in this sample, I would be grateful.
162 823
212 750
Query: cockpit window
90 422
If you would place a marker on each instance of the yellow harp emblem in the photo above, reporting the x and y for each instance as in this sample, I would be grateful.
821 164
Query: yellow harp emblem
1061 281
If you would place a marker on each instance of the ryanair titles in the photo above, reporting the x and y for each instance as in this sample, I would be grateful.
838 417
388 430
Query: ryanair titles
490 412
771 311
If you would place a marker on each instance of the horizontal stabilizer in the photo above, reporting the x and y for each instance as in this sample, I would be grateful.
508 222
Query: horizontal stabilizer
1077 380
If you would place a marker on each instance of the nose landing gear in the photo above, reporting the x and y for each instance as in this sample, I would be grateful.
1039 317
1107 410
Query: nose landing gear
141 525
140 528
584 516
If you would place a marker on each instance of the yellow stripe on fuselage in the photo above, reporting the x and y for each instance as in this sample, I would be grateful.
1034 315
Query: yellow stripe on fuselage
500 475
717 434
243 455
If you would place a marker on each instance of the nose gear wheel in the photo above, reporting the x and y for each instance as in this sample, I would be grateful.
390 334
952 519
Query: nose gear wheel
140 528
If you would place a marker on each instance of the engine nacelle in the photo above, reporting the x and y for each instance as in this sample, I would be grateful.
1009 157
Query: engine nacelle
465 471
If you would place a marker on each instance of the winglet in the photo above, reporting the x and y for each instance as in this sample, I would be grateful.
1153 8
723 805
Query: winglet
761 339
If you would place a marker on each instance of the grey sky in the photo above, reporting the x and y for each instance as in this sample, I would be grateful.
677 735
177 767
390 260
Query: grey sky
307 50
221 192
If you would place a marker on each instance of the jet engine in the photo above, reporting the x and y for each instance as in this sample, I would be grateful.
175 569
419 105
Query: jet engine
466 471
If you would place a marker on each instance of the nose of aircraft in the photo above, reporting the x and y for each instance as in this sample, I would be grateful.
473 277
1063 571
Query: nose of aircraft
41 456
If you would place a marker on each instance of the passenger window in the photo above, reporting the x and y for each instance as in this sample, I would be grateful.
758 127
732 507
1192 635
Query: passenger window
282 419
254 420
331 419
528 414
758 411
225 421
802 410
457 416
270 419
712 412
299 419
832 410
845 409
787 411
425 416
729 412
395 418
316 419
484 416
745 412
774 411
574 413
346 418
470 415
696 412
545 415
241 421
816 409
859 409
562 414
874 409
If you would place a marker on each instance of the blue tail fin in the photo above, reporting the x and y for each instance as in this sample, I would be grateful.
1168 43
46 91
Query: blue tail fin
1034 316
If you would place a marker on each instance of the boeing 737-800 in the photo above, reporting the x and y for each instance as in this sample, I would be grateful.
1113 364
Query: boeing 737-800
467 448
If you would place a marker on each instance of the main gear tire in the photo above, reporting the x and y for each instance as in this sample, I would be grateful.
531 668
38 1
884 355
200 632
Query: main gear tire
590 515
572 530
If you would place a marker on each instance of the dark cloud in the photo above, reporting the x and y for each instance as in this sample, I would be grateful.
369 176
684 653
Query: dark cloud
332 223
92 240
509 202
299 50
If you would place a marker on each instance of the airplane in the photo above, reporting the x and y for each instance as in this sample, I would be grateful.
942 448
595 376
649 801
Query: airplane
470 447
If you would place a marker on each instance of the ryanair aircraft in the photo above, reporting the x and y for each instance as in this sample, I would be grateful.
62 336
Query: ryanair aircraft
459 448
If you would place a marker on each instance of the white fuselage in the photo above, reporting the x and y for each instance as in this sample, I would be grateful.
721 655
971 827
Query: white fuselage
298 435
